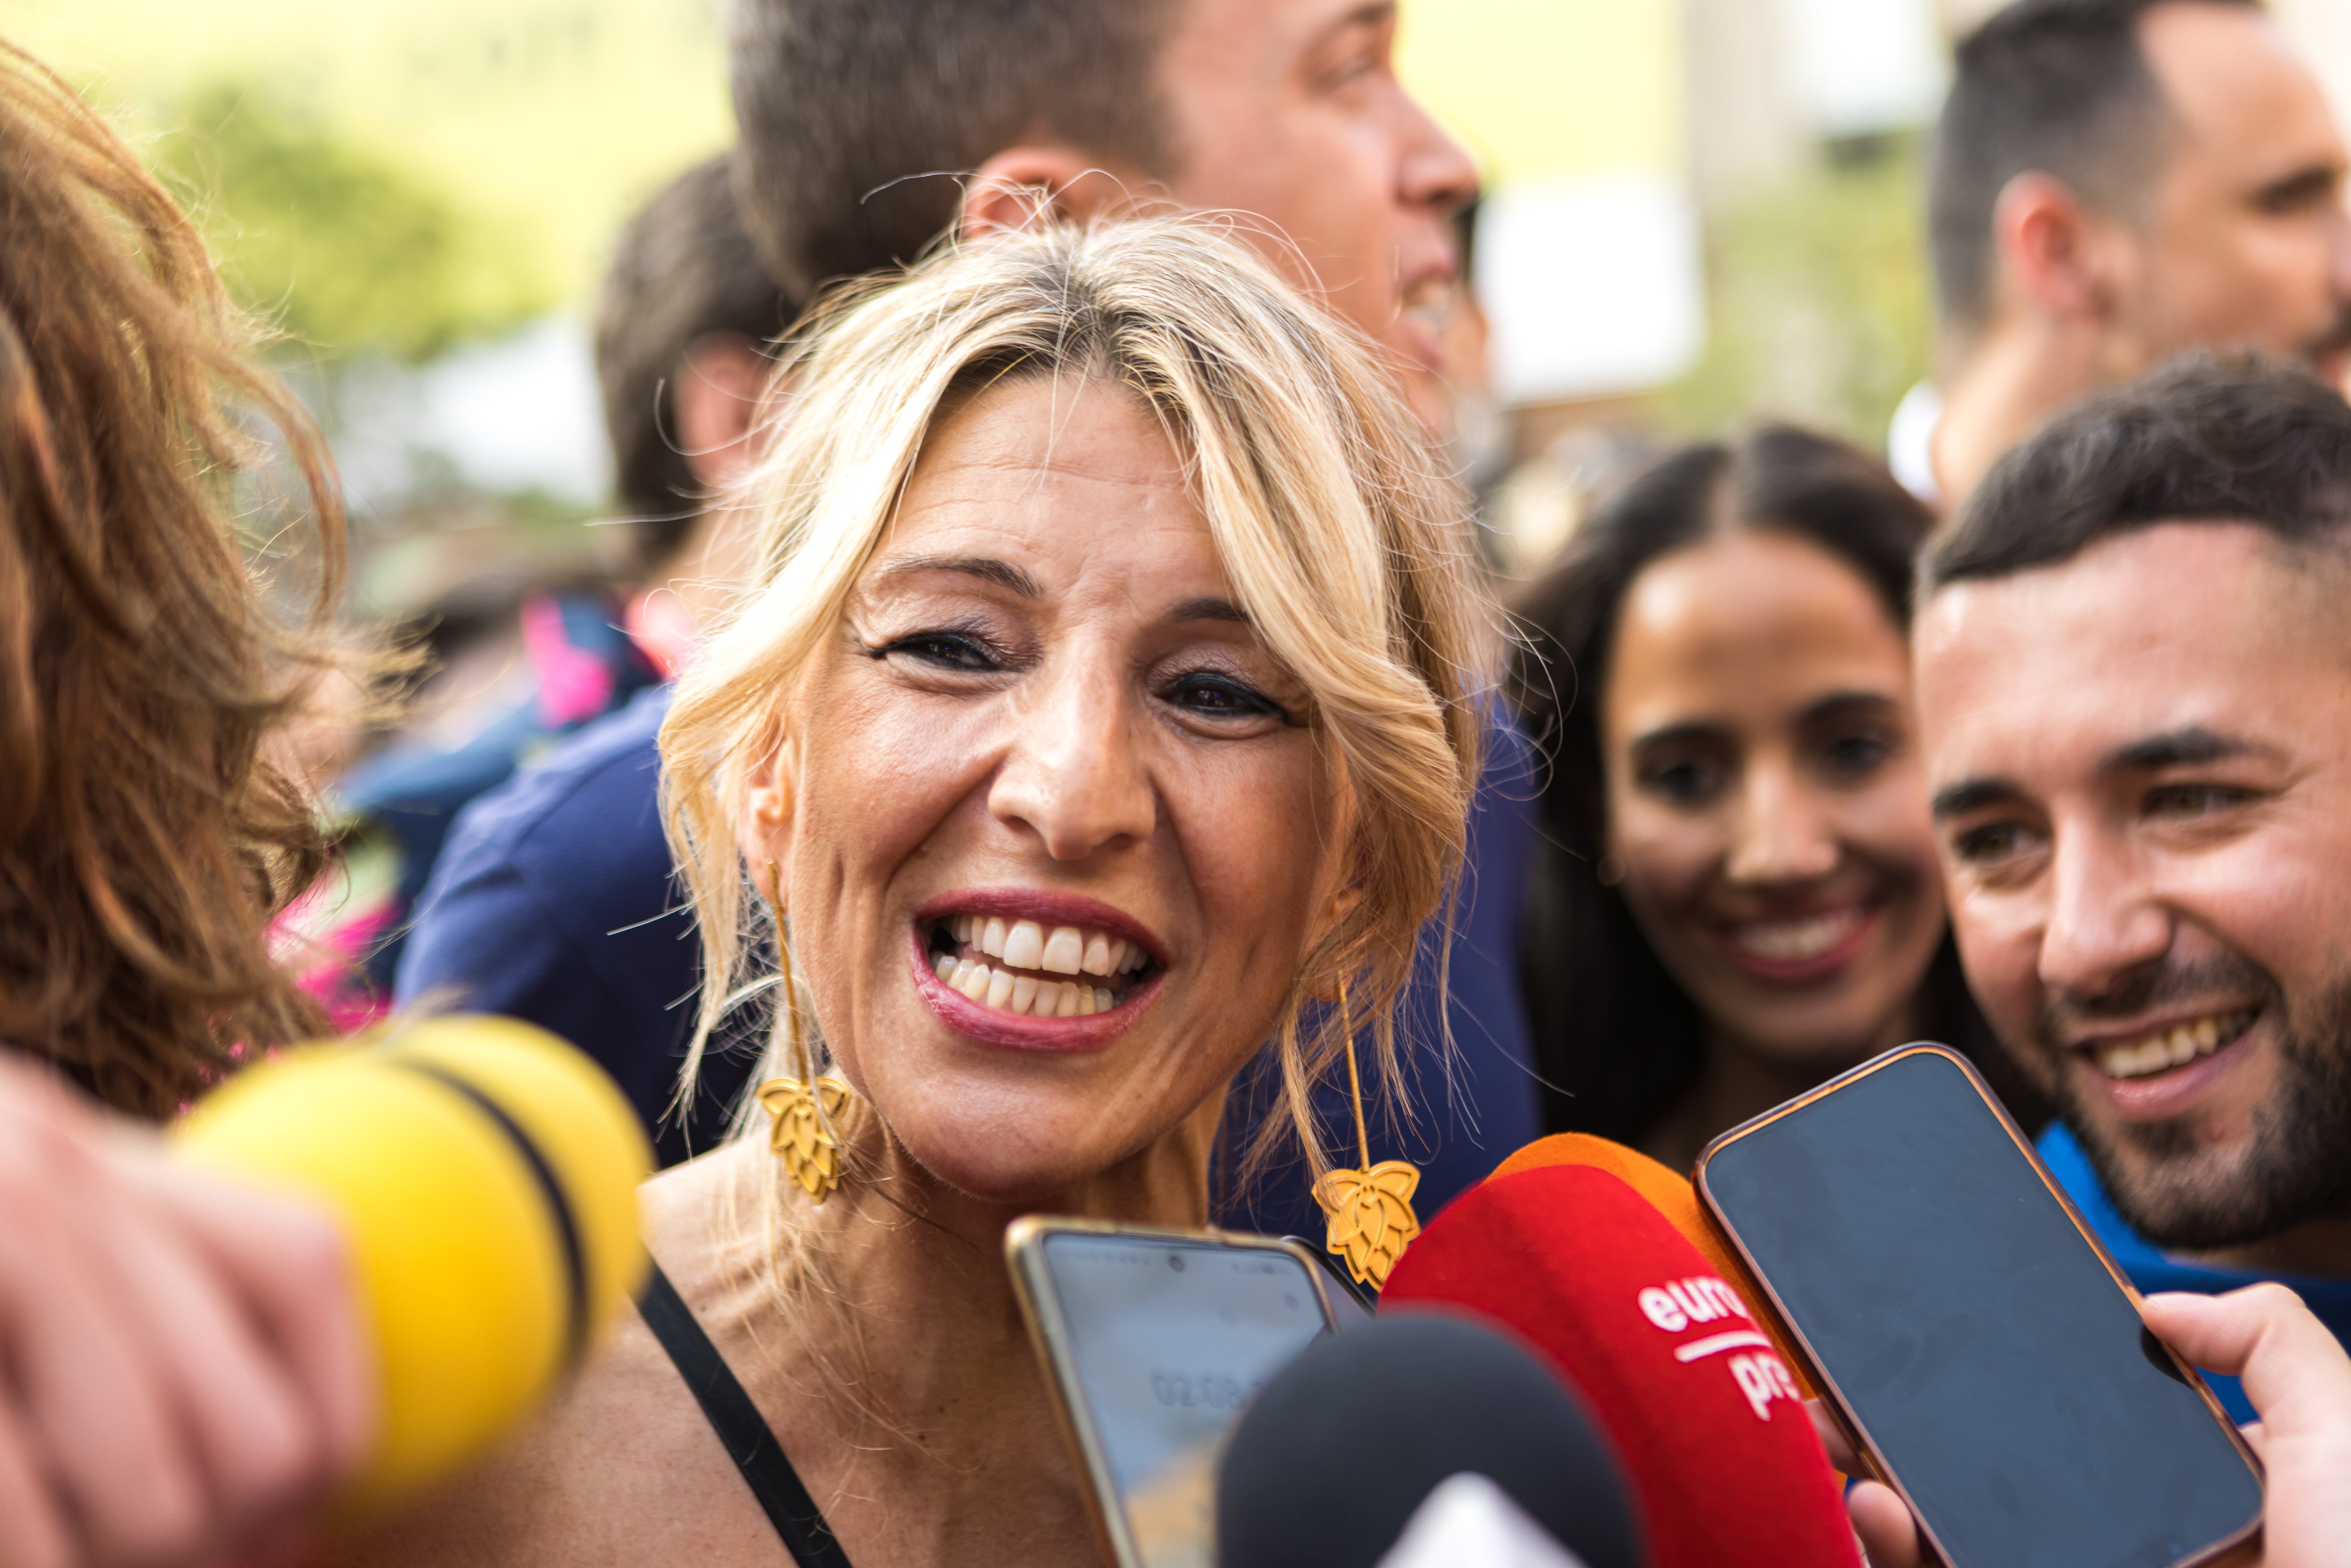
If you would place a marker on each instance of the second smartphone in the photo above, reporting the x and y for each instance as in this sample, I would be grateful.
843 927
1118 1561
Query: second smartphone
1986 1351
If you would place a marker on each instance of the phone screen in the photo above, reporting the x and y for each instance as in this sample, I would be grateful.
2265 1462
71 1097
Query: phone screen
1974 1331
1170 1340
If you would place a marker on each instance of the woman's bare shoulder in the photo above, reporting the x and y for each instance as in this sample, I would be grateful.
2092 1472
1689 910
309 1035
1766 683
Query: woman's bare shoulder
623 1468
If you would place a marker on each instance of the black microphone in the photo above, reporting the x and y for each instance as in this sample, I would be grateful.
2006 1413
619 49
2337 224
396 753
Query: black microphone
1338 1452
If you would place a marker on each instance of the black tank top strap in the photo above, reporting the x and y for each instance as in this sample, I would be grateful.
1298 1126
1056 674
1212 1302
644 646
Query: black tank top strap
748 1442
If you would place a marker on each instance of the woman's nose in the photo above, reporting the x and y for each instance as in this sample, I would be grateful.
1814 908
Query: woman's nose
1782 834
1073 773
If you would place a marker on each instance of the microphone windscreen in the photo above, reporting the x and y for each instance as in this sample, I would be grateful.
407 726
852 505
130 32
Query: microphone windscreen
1469 1520
1673 1195
1341 1447
485 1174
1693 1396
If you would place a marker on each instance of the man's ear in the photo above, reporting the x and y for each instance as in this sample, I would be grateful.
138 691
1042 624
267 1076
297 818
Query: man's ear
716 399
1041 182
2053 252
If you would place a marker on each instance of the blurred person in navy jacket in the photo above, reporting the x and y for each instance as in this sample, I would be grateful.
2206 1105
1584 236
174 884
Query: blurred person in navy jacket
554 900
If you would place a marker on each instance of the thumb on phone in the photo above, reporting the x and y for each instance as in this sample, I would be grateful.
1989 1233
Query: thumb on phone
2299 1380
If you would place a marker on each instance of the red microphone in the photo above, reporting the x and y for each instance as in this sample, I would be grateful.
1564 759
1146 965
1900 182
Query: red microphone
1687 1383
1671 1194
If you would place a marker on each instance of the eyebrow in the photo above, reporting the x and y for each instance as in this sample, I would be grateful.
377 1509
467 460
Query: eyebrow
1834 703
2308 185
988 569
2174 749
1682 734
1819 708
1209 608
1372 14
1974 795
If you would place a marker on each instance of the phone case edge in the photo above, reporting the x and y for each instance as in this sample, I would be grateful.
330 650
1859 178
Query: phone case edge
1024 1244
1024 1241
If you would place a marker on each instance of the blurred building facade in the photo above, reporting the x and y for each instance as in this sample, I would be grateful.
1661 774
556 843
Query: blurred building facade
1698 212
1797 169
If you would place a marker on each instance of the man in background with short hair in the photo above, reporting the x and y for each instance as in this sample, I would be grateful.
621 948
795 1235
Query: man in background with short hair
554 900
2133 686
2114 183
871 128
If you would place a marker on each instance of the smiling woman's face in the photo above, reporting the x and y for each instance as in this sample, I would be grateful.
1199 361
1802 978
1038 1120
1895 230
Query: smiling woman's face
1766 798
1058 836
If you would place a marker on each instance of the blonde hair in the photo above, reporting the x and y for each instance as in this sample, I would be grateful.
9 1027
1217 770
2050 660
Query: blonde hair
1346 548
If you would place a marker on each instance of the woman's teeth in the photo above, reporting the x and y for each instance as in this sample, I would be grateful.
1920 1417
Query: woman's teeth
1795 941
1028 945
1064 950
2176 1047
1022 994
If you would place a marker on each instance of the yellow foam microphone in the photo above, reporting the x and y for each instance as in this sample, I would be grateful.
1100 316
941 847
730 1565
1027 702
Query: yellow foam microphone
486 1174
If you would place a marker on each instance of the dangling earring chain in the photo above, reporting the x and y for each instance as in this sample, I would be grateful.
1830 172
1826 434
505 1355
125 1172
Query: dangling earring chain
805 1109
1369 1208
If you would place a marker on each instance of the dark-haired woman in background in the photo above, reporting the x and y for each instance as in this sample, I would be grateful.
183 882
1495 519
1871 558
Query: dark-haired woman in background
1738 896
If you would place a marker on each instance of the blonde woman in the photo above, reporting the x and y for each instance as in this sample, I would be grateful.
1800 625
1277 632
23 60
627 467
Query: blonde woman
1105 702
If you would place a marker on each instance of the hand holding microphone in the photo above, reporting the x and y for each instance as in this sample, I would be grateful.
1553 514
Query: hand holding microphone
186 1358
200 1364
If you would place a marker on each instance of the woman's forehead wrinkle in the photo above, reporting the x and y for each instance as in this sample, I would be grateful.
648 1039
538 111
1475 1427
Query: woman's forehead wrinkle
1003 574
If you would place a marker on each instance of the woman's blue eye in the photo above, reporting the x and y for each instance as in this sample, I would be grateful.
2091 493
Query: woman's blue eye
947 650
1221 695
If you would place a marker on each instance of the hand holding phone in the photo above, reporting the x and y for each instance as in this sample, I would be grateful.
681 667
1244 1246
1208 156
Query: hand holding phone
2299 1380
1980 1346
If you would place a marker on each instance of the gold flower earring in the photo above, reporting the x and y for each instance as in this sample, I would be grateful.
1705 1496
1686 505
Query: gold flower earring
805 1109
1369 1207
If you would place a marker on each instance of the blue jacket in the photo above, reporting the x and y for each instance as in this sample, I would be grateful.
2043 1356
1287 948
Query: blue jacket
2152 1269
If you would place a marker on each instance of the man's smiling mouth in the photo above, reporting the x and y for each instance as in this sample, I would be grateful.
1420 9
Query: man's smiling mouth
1019 967
2176 1046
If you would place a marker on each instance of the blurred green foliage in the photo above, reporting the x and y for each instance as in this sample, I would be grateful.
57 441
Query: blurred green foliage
1819 305
345 250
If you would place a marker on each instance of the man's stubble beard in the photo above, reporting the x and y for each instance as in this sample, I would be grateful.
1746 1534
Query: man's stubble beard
2297 1163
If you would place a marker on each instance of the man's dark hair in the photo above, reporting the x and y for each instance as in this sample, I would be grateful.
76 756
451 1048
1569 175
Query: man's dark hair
2058 86
2203 440
684 269
858 116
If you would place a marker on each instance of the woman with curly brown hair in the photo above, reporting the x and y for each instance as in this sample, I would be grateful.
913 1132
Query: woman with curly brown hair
184 1376
146 836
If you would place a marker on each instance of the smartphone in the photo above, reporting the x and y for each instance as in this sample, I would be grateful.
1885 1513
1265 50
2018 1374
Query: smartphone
1153 1343
1983 1350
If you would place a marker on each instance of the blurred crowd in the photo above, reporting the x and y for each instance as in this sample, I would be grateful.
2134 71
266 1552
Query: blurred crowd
2027 735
